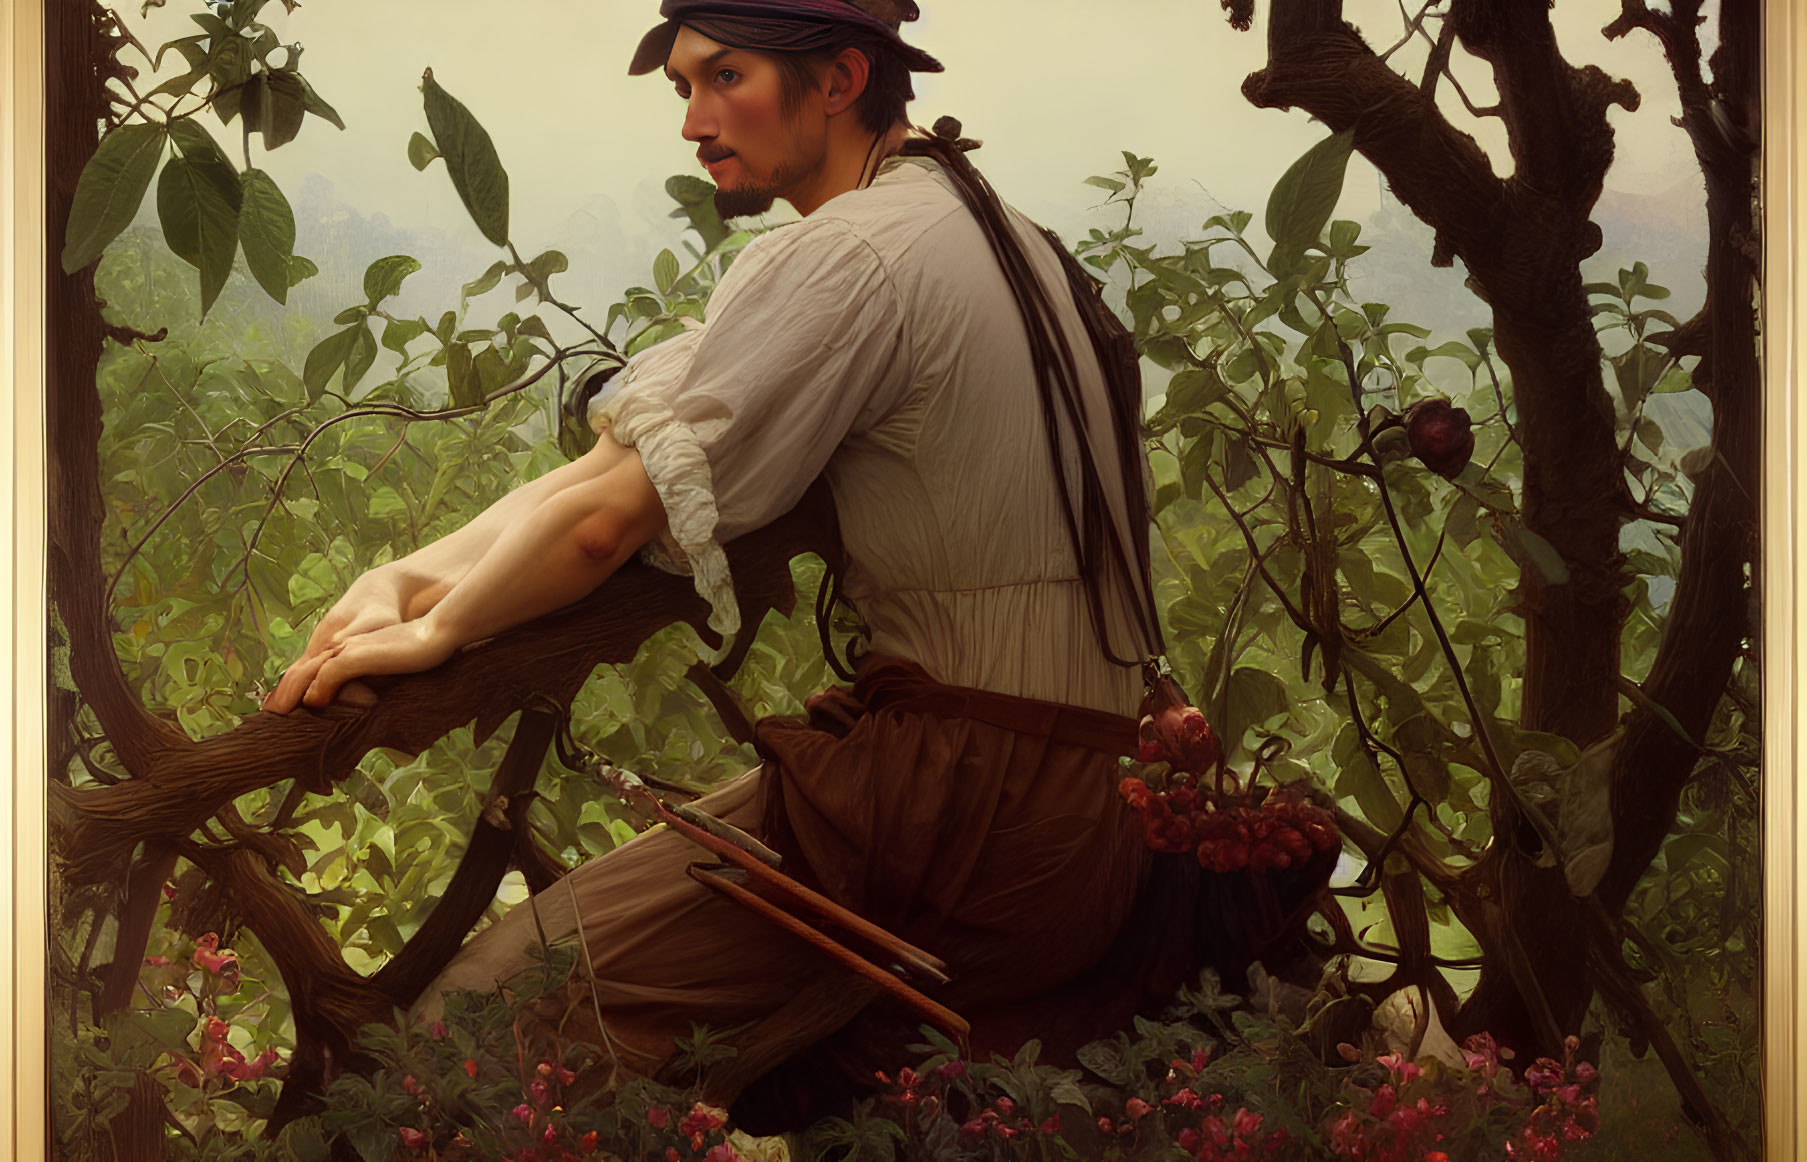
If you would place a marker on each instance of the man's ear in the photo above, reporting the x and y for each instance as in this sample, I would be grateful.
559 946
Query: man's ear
844 80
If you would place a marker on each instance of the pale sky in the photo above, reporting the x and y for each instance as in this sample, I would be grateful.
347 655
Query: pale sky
1055 88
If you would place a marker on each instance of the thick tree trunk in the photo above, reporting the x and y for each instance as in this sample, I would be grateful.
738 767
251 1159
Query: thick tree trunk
1522 239
79 58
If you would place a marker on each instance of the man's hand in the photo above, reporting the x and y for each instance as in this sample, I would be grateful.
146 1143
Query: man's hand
406 647
377 599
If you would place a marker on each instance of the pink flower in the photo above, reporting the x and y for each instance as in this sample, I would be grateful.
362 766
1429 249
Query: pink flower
410 1086
539 1090
550 1136
951 1069
415 1139
721 1153
523 1112
243 1071
565 1076
438 1030
1104 1125
1136 1108
659 1117
209 957
157 961
589 1142
1052 1125
701 1119
470 1066
1005 1106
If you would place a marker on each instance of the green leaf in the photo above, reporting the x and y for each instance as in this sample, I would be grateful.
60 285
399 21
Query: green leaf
1343 234
548 263
108 193
1360 779
191 48
401 332
353 349
229 60
327 357
249 98
1255 697
361 356
696 204
198 200
316 104
1235 222
1674 380
1636 372
1530 547
194 142
383 278
285 107
665 271
1306 194
421 152
266 230
653 335
216 28
301 269
1104 183
485 283
461 377
470 158
1468 357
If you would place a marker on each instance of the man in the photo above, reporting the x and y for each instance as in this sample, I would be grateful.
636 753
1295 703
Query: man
941 362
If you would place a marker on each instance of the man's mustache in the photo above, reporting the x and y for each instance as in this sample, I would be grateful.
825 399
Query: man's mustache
708 154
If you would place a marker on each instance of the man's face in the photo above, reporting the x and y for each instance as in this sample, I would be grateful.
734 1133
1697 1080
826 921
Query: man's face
735 114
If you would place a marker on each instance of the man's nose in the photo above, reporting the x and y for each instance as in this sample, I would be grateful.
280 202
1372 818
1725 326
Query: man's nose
699 122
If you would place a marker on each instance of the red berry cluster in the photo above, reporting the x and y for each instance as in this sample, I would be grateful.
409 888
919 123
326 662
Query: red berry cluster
1280 832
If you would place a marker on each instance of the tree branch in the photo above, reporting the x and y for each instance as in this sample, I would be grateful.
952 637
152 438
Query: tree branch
176 790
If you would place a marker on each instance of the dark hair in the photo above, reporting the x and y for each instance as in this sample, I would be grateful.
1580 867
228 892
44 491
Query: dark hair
887 90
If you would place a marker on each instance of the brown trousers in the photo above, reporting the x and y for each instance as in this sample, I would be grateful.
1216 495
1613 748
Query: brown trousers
986 830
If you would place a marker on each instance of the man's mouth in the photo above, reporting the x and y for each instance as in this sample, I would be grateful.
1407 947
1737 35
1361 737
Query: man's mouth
713 156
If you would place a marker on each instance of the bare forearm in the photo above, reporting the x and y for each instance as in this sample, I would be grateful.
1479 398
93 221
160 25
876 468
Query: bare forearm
552 556
431 571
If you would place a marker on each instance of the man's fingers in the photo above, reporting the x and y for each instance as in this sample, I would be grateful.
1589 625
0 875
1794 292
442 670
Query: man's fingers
295 682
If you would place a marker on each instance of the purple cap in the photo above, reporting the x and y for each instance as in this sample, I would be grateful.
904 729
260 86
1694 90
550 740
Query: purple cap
880 16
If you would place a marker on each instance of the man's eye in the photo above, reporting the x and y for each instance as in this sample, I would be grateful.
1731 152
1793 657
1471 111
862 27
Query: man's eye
727 76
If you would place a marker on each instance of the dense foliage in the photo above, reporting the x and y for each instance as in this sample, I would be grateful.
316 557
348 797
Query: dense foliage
1338 502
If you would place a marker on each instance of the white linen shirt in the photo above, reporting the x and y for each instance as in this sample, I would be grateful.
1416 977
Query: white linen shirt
878 341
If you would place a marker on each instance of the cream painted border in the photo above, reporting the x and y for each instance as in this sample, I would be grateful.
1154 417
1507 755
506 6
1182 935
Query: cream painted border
24 1120
1785 921
24 1073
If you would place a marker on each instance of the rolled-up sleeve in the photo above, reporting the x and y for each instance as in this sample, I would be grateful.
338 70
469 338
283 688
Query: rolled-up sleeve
736 417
